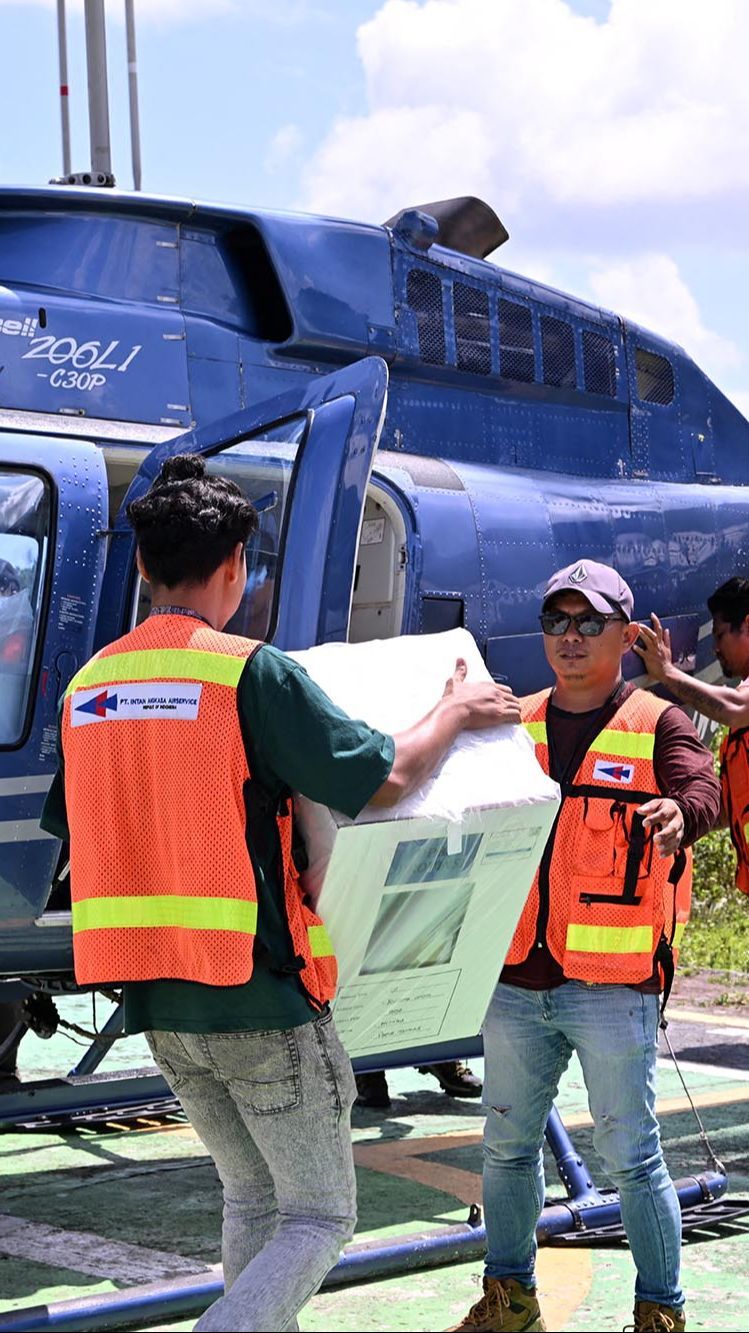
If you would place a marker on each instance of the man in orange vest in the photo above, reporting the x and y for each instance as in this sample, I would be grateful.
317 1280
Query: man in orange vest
181 746
594 947
726 704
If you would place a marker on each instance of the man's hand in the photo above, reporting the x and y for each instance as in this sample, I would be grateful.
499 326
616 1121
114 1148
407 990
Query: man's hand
463 707
487 704
655 648
664 814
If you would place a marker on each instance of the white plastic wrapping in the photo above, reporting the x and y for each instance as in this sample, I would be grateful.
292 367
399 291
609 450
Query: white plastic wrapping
421 900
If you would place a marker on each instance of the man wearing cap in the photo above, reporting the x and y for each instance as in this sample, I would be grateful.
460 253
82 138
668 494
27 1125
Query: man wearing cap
593 950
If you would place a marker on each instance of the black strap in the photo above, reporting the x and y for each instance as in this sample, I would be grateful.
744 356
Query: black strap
664 957
635 857
664 954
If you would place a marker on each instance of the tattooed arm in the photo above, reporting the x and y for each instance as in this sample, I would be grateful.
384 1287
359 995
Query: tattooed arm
721 703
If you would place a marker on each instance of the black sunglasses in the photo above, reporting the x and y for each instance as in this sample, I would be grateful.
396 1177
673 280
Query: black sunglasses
588 623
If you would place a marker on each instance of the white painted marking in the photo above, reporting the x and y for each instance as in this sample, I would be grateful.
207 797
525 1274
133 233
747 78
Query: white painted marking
24 786
84 1252
696 1067
22 830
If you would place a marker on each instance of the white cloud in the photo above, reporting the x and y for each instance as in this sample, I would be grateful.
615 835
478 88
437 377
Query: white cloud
284 145
650 290
541 107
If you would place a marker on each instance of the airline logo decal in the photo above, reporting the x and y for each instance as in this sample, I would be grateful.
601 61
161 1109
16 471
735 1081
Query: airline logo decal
609 771
161 699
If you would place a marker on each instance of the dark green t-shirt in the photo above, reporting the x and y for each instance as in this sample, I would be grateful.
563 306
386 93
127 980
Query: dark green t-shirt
296 740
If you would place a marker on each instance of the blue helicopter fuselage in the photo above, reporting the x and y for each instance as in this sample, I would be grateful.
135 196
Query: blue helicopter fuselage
427 437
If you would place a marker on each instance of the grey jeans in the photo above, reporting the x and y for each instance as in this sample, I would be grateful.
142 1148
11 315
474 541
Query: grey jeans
273 1109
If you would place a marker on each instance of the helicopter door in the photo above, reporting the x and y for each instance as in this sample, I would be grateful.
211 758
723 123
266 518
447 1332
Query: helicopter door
53 516
304 460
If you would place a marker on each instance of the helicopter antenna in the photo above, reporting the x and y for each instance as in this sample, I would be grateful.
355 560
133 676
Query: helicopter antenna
132 75
62 46
98 100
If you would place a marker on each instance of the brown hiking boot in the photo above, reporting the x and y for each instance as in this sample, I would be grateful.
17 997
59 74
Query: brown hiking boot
506 1305
652 1318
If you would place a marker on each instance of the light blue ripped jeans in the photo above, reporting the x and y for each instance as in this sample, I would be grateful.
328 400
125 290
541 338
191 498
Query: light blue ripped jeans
274 1111
529 1037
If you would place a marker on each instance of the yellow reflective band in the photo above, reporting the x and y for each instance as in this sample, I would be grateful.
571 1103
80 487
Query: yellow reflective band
165 910
746 831
320 943
159 664
537 730
609 939
679 933
624 744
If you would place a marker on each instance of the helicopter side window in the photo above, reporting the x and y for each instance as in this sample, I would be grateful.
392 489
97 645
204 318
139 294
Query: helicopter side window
472 336
558 352
516 354
655 378
424 296
599 364
24 537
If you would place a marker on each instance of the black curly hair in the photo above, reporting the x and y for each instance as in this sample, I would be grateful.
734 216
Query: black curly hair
731 601
189 522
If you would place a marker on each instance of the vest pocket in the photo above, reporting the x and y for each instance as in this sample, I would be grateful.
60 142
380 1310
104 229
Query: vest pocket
612 852
595 845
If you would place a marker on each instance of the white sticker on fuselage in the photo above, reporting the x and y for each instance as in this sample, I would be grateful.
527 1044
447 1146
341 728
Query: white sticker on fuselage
124 703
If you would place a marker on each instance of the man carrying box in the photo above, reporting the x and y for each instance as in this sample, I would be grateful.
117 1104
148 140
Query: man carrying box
181 746
594 947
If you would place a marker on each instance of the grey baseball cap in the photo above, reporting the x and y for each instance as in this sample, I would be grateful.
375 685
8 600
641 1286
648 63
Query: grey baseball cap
603 586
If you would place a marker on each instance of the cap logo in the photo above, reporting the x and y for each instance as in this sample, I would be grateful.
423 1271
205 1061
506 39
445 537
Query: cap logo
579 575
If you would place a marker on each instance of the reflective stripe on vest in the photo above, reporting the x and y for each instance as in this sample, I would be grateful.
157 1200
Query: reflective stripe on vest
614 744
165 909
609 939
623 744
537 731
320 943
159 664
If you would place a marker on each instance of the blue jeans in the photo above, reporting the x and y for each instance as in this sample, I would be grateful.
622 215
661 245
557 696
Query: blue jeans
529 1037
274 1110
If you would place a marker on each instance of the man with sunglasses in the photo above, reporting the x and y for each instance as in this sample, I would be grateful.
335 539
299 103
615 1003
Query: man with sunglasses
593 950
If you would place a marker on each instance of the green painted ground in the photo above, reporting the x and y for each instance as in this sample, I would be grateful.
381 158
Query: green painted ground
112 1199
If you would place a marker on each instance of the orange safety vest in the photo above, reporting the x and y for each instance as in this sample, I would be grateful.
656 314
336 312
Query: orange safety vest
605 902
734 787
156 773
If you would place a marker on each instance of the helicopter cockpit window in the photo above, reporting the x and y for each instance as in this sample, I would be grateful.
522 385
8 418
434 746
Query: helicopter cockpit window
558 352
24 537
262 467
655 378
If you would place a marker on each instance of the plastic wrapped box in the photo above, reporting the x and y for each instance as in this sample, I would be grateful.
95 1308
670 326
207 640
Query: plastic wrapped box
421 900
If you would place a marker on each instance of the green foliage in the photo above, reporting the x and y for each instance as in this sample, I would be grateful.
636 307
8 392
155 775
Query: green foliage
718 933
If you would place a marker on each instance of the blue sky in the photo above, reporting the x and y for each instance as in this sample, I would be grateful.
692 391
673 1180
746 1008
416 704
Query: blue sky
612 136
